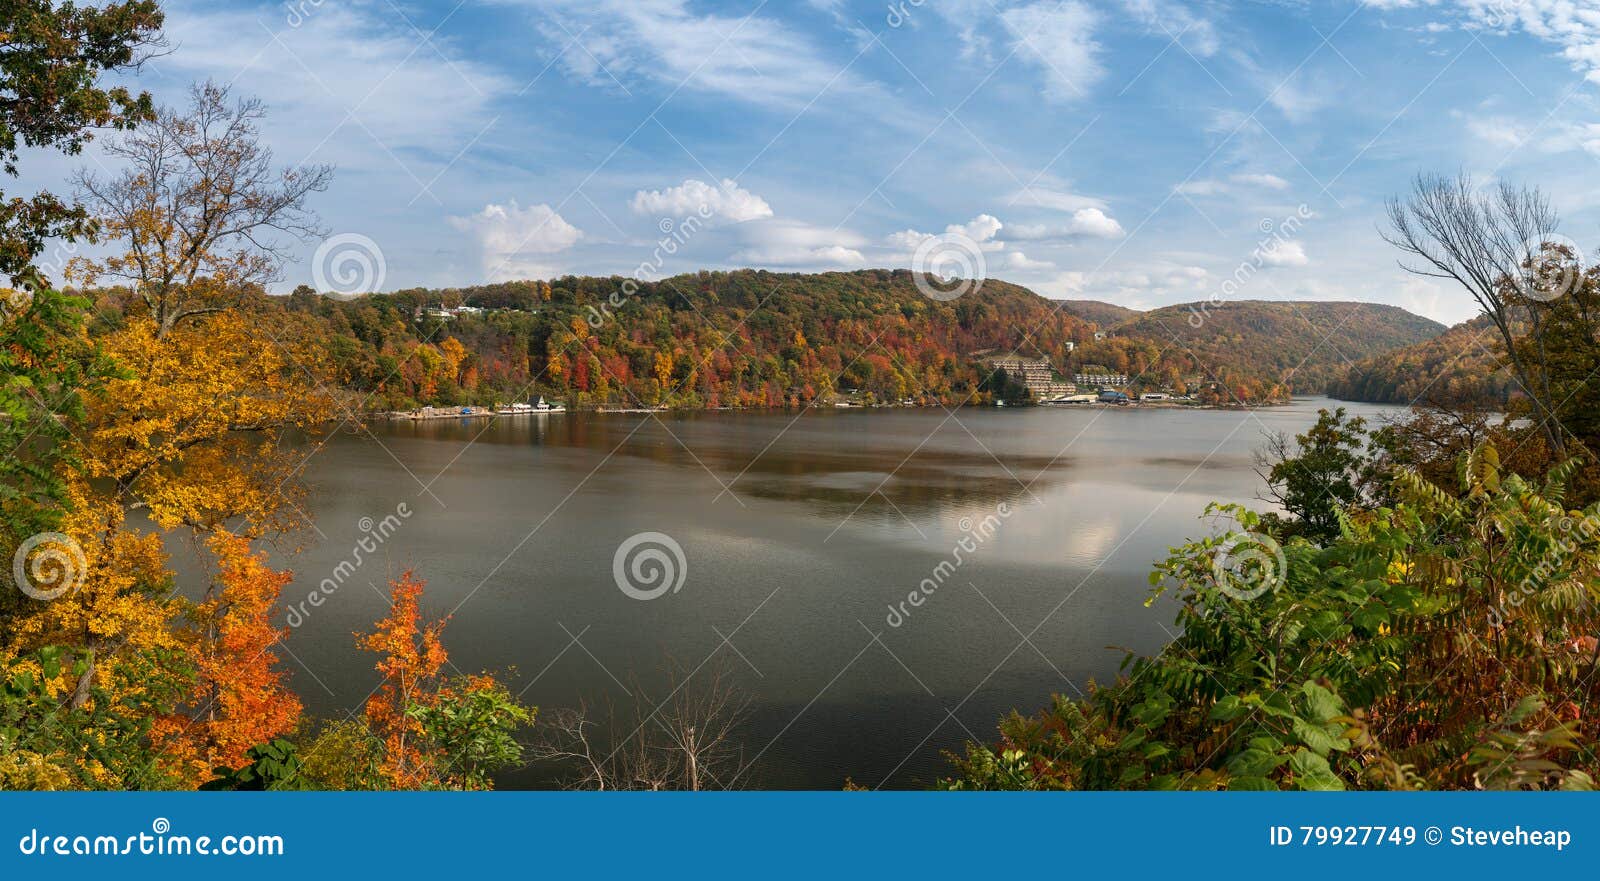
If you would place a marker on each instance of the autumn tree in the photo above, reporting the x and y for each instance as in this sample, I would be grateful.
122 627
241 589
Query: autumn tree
238 697
203 212
411 655
436 731
51 60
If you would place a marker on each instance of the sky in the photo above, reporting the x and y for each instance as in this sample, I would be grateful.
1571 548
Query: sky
1141 152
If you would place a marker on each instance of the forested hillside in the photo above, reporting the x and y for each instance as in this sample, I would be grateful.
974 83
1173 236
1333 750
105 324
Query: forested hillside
1255 350
1462 364
1098 313
760 339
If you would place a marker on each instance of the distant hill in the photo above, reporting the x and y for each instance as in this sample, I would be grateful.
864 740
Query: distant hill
746 338
1461 364
1257 349
1098 313
753 338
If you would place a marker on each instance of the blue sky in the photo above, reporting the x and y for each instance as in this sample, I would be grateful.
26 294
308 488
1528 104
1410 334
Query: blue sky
1124 150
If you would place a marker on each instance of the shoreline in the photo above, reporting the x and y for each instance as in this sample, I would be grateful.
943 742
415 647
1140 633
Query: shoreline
486 413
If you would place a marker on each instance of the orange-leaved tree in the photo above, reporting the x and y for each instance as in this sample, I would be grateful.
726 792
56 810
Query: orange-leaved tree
238 697
412 655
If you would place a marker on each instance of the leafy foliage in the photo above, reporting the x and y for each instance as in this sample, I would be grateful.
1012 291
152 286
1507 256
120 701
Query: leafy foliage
1447 642
53 58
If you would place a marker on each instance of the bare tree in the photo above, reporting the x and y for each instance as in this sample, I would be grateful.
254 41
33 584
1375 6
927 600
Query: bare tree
1494 245
689 741
202 210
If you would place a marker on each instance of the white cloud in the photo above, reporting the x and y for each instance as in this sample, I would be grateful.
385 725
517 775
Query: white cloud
1091 222
1058 38
1543 136
1096 223
981 229
1284 253
796 245
1269 181
1163 282
515 242
749 57
1170 21
1298 101
1215 187
728 202
1020 261
344 86
1204 187
1057 200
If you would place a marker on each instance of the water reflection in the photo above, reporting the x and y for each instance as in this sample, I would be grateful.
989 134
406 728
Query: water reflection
799 534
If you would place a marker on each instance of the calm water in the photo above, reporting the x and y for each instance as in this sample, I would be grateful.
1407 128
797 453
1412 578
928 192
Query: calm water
797 535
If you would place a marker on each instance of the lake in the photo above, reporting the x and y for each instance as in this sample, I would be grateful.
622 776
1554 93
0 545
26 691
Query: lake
797 533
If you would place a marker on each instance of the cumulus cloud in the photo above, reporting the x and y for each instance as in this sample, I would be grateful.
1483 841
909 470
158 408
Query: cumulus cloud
1021 261
795 245
1058 39
1091 222
1096 223
981 229
1284 254
1164 282
696 197
515 242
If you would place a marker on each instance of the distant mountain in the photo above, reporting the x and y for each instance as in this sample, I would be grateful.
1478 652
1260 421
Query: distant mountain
1461 364
1257 349
1098 313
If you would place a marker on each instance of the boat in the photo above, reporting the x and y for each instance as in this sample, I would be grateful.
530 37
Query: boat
537 405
